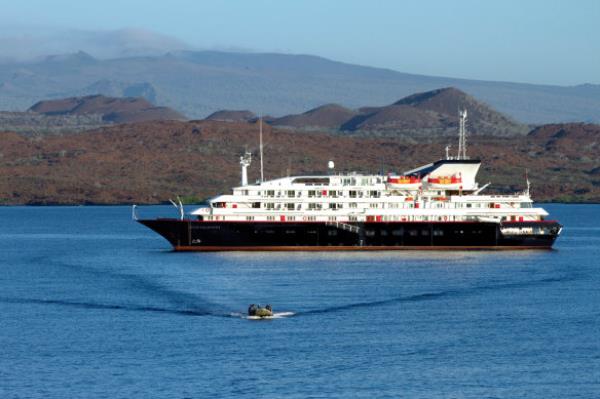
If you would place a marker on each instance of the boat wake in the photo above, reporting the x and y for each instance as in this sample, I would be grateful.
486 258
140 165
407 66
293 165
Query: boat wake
108 306
429 296
276 315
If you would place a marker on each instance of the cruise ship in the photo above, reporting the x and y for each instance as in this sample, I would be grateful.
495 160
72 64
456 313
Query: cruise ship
436 206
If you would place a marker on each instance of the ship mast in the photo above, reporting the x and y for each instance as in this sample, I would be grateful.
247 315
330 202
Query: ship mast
462 134
262 177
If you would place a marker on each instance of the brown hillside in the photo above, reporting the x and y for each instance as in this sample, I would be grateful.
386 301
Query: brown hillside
396 117
152 161
329 116
117 110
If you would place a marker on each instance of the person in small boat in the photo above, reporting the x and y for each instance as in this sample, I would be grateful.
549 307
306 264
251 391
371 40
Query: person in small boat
257 310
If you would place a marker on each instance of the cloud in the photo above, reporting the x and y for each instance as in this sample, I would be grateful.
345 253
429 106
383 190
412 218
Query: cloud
24 46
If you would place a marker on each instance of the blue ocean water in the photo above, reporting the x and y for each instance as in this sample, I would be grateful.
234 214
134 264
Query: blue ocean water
93 305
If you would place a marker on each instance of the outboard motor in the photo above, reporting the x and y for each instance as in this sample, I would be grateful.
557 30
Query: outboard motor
252 310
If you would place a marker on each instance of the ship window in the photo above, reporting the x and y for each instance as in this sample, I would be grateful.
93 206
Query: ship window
289 206
311 193
384 233
332 218
291 193
311 180
331 232
397 232
270 193
352 218
244 192
291 218
270 205
352 193
256 205
290 232
370 233
424 232
468 205
413 233
438 232
352 205
374 194
270 217
249 217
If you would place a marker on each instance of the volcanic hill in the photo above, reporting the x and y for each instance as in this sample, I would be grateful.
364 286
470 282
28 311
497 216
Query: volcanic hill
111 109
430 113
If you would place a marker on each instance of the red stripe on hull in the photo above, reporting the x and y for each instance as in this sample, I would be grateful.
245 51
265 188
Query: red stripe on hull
355 248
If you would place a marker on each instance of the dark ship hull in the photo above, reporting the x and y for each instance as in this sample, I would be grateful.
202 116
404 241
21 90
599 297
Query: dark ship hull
192 235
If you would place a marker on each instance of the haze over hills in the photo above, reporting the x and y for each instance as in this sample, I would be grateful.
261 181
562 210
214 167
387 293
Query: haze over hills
433 112
199 83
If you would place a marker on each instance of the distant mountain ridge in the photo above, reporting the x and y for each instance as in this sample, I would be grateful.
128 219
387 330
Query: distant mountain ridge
433 112
199 83
231 116
114 110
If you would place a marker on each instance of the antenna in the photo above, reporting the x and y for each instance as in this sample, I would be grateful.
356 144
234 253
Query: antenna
462 134
447 151
528 183
262 176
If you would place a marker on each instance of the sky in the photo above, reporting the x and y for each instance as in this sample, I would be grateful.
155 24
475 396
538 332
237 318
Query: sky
542 42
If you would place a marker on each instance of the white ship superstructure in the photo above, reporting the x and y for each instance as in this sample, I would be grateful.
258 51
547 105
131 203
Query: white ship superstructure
436 206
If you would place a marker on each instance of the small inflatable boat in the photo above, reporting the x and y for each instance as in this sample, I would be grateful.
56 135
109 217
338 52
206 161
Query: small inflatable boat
258 311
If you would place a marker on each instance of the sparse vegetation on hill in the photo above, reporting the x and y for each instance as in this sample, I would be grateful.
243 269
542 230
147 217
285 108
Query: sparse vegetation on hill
34 124
152 161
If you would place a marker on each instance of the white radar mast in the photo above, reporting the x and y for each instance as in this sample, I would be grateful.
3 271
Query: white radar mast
245 161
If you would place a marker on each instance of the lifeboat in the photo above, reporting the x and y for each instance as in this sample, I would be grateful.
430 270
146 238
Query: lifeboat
403 182
445 182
